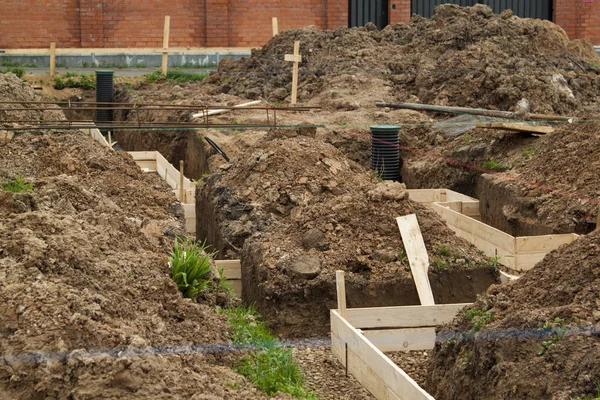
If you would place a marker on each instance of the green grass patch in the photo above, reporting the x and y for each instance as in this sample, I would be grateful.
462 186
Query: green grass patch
493 165
17 185
190 266
269 365
176 76
440 264
444 250
479 318
527 154
74 80
15 70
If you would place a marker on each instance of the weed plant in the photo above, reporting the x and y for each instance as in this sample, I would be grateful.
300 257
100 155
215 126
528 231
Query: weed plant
269 365
557 330
190 267
479 318
17 185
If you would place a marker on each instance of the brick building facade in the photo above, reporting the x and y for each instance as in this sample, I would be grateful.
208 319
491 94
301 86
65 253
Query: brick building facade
207 23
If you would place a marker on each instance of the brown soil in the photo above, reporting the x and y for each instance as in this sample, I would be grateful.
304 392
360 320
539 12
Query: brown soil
88 308
461 56
503 360
296 199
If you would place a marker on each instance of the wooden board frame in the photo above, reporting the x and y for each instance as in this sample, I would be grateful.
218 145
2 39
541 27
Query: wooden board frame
232 270
461 214
384 329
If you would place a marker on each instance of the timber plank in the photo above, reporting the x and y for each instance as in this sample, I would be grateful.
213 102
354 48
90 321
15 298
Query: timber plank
403 316
417 256
406 339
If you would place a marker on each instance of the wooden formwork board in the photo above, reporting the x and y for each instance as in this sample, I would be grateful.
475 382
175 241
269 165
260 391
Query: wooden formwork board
406 339
403 316
373 369
438 196
233 272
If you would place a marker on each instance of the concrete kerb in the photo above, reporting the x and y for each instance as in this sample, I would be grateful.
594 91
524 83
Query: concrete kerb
121 60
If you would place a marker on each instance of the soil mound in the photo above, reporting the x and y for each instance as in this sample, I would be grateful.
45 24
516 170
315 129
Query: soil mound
464 56
542 339
87 307
13 89
296 209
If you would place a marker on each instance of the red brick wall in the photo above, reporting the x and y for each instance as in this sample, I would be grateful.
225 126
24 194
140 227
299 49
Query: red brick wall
401 12
26 24
211 23
579 18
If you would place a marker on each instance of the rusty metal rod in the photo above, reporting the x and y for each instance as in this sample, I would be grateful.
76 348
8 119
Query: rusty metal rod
160 127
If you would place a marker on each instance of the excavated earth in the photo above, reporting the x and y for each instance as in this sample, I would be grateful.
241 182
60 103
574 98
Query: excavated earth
543 341
88 308
462 56
295 209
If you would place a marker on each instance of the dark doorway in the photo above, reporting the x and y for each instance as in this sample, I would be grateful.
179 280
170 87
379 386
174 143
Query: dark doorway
360 12
541 9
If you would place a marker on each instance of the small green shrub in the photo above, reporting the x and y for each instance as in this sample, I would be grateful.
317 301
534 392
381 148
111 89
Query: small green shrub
479 318
557 330
444 251
15 70
74 80
190 266
17 185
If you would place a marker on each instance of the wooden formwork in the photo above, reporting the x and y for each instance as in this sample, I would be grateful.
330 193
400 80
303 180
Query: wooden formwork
233 272
153 161
461 214
359 336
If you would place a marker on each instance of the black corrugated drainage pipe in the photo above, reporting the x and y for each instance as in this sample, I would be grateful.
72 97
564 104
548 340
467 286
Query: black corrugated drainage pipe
104 94
385 152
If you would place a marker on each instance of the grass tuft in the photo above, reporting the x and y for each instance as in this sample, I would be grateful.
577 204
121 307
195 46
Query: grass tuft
17 185
74 80
269 365
557 329
190 267
15 70
175 76
479 318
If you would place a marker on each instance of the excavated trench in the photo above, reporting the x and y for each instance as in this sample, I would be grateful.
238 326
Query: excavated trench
303 310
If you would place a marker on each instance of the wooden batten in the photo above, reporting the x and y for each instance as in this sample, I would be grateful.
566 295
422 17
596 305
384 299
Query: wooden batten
233 272
417 256
373 369
403 316
407 339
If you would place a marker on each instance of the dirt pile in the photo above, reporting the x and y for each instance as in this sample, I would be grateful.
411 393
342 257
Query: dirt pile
296 209
13 89
542 339
464 56
87 305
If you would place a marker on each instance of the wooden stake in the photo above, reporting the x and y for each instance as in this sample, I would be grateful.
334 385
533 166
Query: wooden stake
165 54
275 26
340 285
295 58
181 192
52 59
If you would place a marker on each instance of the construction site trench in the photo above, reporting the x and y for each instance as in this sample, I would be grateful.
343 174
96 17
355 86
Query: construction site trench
297 202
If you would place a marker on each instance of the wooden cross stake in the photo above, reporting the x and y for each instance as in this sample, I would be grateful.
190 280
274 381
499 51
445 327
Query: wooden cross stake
295 58
275 26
